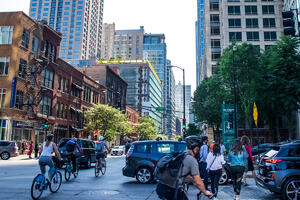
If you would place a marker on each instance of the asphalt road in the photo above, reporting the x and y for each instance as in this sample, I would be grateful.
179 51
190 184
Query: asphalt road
16 177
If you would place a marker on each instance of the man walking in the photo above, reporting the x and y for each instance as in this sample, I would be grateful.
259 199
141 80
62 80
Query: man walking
202 162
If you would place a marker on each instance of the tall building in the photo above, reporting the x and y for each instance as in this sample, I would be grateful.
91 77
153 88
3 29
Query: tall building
79 21
199 27
170 120
107 41
128 44
179 102
257 22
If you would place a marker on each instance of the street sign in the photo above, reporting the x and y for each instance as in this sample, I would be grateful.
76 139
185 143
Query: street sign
160 108
228 134
255 114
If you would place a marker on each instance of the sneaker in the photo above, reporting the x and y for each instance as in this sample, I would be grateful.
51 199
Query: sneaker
237 197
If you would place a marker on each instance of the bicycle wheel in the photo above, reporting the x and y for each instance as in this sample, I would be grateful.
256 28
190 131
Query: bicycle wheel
55 182
68 172
77 171
103 166
37 186
97 168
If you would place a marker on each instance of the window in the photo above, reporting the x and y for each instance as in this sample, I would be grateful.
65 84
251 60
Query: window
252 36
234 23
250 0
45 106
251 10
25 38
251 23
214 6
235 36
214 18
47 78
2 97
6 33
215 55
234 10
22 68
67 86
4 64
165 148
270 36
141 148
215 30
57 109
35 46
215 43
2 128
19 99
66 112
63 84
59 83
269 22
268 9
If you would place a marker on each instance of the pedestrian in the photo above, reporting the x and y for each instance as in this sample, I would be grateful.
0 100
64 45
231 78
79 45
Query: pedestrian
237 156
202 161
215 161
212 146
127 146
23 147
30 149
223 149
36 149
250 167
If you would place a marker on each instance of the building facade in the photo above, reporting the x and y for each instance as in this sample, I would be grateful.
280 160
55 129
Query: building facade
107 41
258 22
199 27
80 23
179 102
128 44
170 120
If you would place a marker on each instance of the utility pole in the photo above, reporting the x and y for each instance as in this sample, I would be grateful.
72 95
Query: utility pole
184 119
234 48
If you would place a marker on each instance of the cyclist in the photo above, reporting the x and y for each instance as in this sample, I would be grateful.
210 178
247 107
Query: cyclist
71 147
189 171
101 148
47 149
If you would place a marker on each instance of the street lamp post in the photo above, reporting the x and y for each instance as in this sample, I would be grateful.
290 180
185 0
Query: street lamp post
234 48
184 119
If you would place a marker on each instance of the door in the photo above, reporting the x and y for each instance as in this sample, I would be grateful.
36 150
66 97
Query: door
92 151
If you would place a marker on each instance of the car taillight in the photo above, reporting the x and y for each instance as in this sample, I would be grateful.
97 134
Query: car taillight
15 149
273 161
82 151
128 154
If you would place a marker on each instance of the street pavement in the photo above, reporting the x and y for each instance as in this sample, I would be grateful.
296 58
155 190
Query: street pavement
16 175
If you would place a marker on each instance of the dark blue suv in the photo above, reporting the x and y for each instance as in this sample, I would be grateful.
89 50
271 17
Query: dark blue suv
142 157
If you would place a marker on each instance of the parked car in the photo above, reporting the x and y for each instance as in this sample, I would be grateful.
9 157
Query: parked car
143 156
87 147
261 148
117 150
279 170
8 149
226 176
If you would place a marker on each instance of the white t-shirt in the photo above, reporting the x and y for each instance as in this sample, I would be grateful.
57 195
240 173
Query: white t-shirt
47 150
214 164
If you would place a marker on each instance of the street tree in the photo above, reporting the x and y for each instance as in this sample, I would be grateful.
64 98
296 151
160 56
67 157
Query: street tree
106 119
192 130
146 128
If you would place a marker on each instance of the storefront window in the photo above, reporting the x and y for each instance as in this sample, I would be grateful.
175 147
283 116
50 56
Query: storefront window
2 128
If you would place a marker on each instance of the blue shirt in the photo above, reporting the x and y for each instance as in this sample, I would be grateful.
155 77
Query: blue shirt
203 152
239 159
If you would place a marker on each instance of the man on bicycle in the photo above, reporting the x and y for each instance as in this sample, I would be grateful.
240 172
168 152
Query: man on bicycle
71 147
100 148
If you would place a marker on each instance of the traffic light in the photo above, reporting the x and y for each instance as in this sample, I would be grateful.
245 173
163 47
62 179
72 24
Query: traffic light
119 106
183 123
288 23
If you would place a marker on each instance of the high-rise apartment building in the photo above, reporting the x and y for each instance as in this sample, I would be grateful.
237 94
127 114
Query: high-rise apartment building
199 27
128 44
107 41
258 22
79 21
170 120
179 102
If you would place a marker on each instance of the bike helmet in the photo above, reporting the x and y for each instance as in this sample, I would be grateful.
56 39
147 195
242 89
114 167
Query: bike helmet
193 141
49 136
101 138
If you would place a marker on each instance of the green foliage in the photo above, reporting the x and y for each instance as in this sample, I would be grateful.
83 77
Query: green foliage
146 128
192 130
107 119
164 137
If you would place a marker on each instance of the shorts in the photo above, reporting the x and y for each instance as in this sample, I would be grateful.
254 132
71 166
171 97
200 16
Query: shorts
250 165
100 155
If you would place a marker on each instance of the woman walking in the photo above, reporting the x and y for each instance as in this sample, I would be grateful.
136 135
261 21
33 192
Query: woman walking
246 143
30 149
238 158
215 161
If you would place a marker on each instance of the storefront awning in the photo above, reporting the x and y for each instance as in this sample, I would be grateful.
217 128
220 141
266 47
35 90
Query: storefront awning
77 86
75 109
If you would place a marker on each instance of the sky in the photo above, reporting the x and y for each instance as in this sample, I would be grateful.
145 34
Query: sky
175 18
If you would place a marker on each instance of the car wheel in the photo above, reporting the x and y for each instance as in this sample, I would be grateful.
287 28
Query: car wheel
144 175
291 189
88 163
224 178
5 156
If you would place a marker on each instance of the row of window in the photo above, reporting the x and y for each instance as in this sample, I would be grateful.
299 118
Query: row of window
63 84
252 23
251 10
61 110
252 36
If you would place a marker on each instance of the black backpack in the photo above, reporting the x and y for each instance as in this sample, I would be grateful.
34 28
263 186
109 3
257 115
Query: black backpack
168 169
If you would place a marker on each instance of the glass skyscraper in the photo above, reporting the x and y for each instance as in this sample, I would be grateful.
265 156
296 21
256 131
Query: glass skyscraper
199 39
79 21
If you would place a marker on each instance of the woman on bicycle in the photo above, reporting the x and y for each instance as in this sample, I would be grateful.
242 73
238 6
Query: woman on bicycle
47 149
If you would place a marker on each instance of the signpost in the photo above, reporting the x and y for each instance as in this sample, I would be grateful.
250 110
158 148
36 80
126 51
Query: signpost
228 126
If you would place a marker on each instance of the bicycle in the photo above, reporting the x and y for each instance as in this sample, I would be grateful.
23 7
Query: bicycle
69 169
41 183
100 165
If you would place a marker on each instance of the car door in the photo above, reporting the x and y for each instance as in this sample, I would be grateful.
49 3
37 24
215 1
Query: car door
141 154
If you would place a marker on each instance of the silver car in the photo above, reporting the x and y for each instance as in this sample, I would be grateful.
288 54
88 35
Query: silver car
8 149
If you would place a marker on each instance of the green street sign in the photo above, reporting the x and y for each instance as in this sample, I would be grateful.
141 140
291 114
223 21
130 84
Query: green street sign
160 109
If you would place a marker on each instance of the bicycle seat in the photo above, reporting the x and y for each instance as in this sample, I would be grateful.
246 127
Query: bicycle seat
43 163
